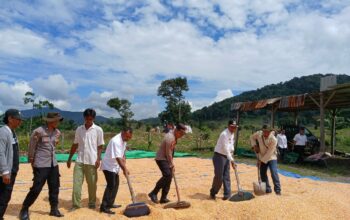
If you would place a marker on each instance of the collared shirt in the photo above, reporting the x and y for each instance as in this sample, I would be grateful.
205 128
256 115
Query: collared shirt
282 141
88 142
300 140
267 146
42 147
116 149
167 148
224 144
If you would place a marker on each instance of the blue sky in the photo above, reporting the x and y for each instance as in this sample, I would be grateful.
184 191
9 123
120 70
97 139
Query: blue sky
79 54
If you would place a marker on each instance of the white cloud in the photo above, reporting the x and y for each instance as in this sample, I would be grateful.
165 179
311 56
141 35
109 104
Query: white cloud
223 94
20 42
11 95
120 57
62 104
54 87
200 102
145 110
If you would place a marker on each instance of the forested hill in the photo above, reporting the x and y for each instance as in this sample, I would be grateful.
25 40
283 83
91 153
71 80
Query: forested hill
297 85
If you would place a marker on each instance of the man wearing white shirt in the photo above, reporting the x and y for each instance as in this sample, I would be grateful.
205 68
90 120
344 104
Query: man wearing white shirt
113 161
282 143
222 159
300 141
88 142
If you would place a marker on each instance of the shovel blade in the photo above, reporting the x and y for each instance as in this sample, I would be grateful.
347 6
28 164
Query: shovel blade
241 196
178 205
259 188
137 209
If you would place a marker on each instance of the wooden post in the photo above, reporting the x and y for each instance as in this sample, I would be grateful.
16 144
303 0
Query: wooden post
237 132
322 129
333 134
296 118
272 117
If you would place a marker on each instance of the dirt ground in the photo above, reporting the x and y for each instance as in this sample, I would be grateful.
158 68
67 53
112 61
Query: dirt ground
301 198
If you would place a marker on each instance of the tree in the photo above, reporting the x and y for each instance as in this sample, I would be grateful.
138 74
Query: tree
177 108
29 97
123 108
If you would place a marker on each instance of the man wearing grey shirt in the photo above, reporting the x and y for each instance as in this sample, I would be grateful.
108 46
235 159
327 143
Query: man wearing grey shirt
9 157
164 160
41 155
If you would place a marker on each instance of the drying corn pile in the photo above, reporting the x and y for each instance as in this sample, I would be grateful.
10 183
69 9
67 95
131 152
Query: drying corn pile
301 198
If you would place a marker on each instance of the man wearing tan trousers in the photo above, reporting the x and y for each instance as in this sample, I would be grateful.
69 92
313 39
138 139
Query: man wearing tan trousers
88 142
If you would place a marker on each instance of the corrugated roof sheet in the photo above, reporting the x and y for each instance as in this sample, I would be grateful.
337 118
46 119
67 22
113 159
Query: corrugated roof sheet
294 101
250 106
341 99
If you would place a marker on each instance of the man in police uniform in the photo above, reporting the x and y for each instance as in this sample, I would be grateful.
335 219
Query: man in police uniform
41 155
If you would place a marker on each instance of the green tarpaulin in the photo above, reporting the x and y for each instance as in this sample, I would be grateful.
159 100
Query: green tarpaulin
135 154
245 153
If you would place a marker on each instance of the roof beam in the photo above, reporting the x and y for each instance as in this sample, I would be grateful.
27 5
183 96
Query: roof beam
329 99
314 100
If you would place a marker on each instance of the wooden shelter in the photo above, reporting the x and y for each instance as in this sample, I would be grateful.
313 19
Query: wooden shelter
332 98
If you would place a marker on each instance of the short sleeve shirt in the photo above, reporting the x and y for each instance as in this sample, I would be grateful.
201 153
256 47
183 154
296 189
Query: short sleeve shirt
88 142
42 147
300 140
116 149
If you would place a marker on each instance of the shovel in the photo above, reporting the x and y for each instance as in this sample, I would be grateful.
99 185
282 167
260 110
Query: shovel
240 195
135 209
179 204
259 187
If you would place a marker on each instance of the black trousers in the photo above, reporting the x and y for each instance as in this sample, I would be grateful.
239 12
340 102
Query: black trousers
300 149
41 176
5 194
282 152
165 181
111 190
221 175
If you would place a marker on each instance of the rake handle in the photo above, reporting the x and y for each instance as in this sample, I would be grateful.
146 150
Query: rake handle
259 175
132 193
237 177
177 188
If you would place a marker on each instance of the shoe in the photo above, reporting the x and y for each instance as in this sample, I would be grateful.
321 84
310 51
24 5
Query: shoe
212 197
226 198
56 213
115 206
153 197
24 214
92 206
74 208
278 193
163 201
268 191
107 211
